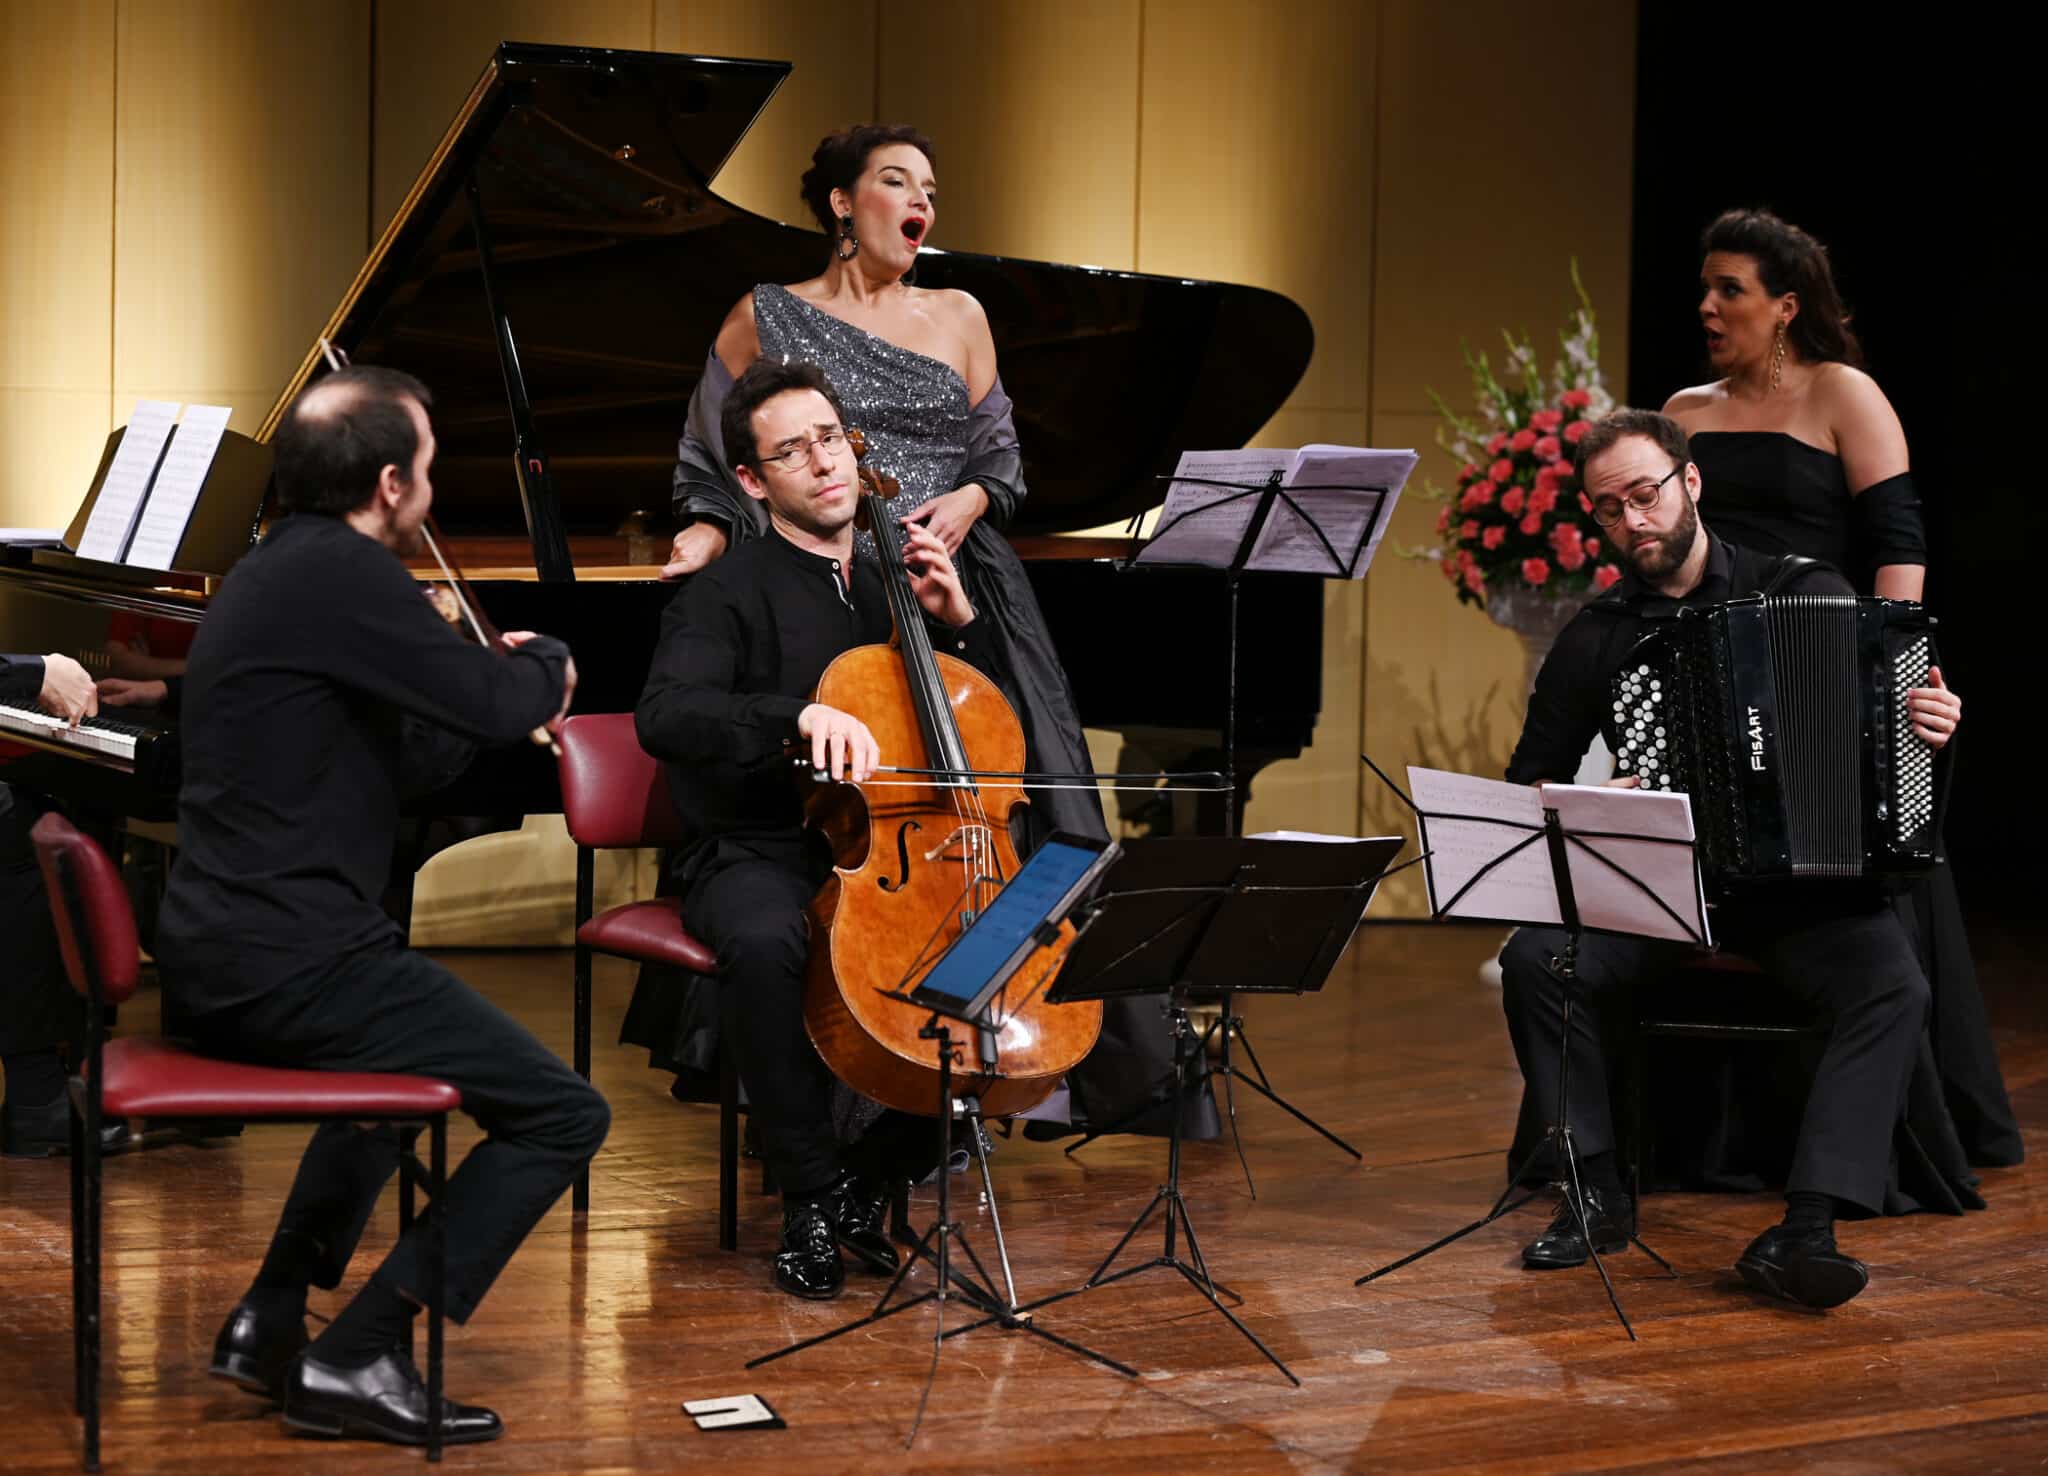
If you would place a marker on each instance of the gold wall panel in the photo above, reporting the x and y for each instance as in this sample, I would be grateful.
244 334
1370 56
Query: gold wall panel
429 55
1255 165
56 254
831 43
241 168
1033 108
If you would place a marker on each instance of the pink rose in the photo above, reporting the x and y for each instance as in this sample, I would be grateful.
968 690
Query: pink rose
1546 421
1585 503
1576 431
1475 581
1523 439
1497 445
1467 472
1443 521
1478 495
1465 559
1578 399
1450 568
1502 470
1532 525
1570 559
1549 448
1543 499
1606 577
1546 476
1564 536
1495 536
1468 530
1511 501
1534 571
1592 548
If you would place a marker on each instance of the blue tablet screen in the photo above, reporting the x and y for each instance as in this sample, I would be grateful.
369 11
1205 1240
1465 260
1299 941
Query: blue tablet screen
1053 870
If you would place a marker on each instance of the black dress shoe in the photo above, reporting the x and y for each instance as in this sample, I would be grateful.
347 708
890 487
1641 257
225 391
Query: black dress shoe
1802 1266
859 1211
1564 1244
255 1351
808 1264
45 1131
386 1400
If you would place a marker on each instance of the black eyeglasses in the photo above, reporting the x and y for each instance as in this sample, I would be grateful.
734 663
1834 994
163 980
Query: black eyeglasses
793 456
1643 496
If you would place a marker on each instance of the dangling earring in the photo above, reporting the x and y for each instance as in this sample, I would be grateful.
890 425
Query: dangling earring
849 243
1778 360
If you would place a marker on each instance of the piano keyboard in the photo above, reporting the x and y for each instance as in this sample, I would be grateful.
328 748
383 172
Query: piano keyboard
110 736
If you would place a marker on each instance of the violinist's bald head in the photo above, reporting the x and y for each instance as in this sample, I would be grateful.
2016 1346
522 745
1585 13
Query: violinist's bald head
342 432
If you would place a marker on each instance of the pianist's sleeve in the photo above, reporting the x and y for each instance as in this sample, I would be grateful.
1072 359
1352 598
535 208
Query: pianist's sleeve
993 457
705 489
386 641
692 709
21 678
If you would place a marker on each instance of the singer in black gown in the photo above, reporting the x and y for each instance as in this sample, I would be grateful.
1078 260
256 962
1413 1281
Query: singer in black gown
1778 334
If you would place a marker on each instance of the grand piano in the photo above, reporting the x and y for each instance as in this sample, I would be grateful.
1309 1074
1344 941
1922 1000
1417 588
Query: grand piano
556 275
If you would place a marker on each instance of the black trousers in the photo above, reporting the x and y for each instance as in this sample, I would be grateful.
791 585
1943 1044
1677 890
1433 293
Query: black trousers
38 1008
753 914
1849 961
399 1011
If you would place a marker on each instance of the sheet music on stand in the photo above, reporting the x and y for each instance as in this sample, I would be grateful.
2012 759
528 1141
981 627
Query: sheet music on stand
127 482
1632 868
1333 507
194 444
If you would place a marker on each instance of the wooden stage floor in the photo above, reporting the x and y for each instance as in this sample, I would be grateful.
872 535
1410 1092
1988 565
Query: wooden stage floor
600 1331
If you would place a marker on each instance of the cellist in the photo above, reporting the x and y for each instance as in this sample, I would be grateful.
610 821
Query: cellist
728 706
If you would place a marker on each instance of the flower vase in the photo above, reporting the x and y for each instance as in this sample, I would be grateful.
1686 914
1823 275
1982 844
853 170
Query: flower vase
1537 619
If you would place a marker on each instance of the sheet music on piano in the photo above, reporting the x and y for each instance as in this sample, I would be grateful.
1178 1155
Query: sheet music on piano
126 486
168 508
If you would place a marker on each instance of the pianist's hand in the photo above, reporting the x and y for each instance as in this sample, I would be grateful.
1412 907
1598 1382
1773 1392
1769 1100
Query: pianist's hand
1934 709
67 690
951 514
696 546
121 692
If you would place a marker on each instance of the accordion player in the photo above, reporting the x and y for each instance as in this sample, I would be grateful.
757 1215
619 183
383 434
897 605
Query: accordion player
1785 719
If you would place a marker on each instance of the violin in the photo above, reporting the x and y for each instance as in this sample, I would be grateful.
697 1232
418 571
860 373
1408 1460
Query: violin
917 861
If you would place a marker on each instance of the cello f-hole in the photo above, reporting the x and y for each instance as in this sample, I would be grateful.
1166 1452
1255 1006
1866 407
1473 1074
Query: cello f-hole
902 856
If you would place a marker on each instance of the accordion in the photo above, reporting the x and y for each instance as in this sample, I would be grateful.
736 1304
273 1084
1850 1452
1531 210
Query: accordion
1784 718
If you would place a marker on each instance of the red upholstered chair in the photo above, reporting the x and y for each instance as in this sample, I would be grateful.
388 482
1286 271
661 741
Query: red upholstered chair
615 796
152 1078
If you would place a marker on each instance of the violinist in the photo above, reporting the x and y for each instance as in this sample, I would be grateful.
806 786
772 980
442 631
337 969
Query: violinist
320 690
728 705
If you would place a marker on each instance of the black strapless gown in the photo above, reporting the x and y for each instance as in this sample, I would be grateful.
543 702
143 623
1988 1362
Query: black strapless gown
1775 493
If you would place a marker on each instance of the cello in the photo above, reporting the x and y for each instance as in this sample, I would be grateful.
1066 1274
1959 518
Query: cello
915 863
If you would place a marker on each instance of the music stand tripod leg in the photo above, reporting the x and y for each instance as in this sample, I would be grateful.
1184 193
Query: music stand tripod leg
1233 1025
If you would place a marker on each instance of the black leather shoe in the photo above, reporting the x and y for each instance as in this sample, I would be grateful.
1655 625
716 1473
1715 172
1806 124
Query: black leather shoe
808 1264
1802 1266
1563 1244
255 1352
45 1132
859 1210
387 1400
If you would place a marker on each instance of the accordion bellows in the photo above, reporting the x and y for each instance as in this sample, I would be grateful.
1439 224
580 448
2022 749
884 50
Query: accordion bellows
1784 718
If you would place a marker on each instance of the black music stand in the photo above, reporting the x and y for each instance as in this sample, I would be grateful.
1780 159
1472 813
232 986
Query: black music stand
1558 844
950 1280
1176 912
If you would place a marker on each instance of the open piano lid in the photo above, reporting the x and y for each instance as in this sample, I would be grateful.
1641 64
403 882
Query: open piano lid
613 263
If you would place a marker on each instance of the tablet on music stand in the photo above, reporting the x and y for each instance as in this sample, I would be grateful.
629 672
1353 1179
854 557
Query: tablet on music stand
1024 917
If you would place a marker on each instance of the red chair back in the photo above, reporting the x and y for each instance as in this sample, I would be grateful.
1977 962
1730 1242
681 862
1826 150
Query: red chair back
95 927
614 794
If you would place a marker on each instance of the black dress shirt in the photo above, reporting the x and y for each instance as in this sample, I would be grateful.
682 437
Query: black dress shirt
742 646
321 689
21 679
1572 688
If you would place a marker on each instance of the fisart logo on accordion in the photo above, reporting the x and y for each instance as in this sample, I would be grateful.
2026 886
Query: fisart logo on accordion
1756 740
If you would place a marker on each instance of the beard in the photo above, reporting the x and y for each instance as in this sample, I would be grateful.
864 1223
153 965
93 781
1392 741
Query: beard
1661 557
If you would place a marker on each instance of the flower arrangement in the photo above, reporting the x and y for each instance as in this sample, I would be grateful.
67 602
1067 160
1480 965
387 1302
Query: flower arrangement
1517 520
